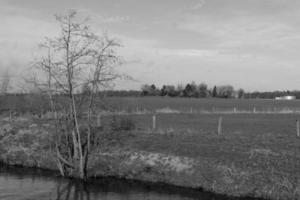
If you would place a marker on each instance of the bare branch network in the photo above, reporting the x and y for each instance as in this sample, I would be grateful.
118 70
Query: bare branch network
76 60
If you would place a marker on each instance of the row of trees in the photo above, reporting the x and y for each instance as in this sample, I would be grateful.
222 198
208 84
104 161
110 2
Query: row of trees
192 90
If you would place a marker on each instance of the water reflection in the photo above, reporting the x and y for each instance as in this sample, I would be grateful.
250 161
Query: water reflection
24 184
114 190
65 192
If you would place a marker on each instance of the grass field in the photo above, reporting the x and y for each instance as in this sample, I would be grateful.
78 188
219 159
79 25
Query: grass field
132 104
257 154
270 116
246 162
253 124
183 114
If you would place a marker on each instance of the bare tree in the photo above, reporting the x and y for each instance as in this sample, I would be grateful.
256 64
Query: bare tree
76 58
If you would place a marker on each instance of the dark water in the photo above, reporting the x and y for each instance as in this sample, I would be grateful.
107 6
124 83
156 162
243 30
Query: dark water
28 184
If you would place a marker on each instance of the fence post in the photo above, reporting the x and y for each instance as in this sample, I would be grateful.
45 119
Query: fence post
154 122
220 125
99 120
254 110
234 109
297 127
10 116
55 114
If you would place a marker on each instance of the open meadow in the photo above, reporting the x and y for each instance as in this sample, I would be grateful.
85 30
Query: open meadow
246 116
254 153
198 105
257 152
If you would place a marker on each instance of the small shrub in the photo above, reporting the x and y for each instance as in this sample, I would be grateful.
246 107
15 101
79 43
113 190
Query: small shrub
127 124
122 124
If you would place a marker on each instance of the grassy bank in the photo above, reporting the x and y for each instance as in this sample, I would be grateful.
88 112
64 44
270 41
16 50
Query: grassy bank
238 163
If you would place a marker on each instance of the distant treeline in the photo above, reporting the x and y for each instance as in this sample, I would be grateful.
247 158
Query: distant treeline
198 91
37 101
192 90
202 91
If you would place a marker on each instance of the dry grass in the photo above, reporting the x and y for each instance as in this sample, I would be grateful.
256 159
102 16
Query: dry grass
206 105
237 163
256 155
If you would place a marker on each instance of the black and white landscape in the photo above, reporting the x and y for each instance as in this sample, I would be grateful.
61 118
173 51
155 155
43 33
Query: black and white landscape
136 99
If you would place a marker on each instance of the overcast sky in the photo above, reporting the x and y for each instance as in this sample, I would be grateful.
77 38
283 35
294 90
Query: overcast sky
252 44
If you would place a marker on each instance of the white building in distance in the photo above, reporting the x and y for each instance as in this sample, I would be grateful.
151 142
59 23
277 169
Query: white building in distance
286 98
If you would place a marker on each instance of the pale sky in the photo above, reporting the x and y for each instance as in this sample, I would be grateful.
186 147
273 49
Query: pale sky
250 44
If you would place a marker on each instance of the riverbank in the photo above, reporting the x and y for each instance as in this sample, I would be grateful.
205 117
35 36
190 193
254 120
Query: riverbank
236 164
33 183
117 186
